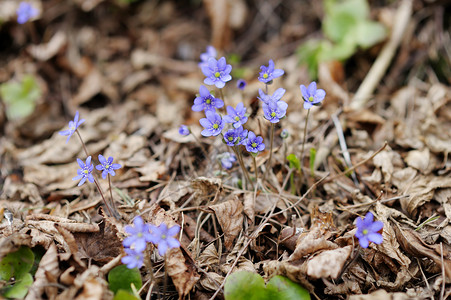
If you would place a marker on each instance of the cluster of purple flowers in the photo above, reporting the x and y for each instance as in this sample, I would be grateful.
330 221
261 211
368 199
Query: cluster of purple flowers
85 172
142 233
25 12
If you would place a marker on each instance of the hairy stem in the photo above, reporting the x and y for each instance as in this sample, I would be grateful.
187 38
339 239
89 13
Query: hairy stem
268 165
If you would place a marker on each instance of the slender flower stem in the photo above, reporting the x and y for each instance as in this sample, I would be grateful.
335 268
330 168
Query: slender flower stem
301 157
103 198
95 179
266 88
111 194
255 168
243 168
268 165
221 93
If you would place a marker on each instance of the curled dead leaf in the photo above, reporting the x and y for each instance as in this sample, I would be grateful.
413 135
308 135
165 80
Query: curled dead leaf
230 218
328 264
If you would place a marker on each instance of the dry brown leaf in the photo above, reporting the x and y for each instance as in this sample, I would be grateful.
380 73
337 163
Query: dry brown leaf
152 170
184 275
387 160
412 243
249 206
47 266
419 160
230 218
328 264
381 295
311 242
208 258
211 281
293 270
92 290
44 52
101 246
422 190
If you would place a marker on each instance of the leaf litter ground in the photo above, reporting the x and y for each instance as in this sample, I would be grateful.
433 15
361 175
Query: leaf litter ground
134 82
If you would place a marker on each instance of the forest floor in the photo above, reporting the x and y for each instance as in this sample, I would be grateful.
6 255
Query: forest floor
378 143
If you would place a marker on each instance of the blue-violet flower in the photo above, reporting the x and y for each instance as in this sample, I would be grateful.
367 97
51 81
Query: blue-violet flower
211 52
25 12
274 111
184 130
134 259
213 124
241 84
236 116
206 101
139 235
227 159
73 125
164 237
85 171
367 230
217 72
267 74
254 144
311 95
284 134
107 166
276 96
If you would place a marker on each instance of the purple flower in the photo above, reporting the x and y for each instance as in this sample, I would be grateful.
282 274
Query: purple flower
274 111
184 130
73 125
227 159
241 134
139 235
236 116
25 12
164 237
134 259
367 230
107 166
213 124
254 144
267 74
276 96
211 52
217 72
85 171
241 84
311 95
230 137
205 101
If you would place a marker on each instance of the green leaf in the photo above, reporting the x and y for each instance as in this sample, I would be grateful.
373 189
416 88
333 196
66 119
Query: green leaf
294 162
122 277
124 295
245 285
20 288
369 33
16 264
20 97
309 54
285 289
337 26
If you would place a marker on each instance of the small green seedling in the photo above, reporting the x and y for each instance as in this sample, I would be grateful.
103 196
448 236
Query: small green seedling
20 97
245 285
122 278
347 27
15 268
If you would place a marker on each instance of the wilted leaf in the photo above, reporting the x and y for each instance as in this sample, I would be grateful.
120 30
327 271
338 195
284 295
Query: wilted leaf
328 264
230 217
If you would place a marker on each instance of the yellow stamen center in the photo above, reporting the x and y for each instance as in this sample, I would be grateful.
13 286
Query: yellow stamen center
217 74
310 98
208 101
163 236
230 138
273 114
365 231
215 126
86 171
237 118
254 145
265 76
